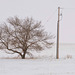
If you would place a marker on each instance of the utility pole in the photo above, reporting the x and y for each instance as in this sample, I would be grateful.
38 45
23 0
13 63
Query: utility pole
57 51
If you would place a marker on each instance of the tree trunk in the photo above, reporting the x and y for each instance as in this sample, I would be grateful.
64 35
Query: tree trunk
23 56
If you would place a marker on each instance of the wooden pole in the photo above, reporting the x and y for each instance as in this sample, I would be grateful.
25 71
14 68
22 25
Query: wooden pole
57 51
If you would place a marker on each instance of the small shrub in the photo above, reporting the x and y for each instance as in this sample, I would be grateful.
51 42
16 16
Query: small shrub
69 56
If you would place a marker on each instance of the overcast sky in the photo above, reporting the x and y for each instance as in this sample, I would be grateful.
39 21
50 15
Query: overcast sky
45 11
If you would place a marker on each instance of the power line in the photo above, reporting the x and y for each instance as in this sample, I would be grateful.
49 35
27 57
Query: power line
51 16
68 8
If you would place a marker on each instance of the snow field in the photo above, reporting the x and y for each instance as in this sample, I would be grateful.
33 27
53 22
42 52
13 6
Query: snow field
45 64
37 67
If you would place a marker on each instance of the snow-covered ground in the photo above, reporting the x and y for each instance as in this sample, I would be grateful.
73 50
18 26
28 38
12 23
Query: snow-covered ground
46 64
37 67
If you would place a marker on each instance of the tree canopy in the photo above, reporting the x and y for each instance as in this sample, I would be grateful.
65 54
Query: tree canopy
24 35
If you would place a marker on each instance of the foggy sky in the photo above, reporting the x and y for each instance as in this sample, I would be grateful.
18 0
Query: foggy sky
45 11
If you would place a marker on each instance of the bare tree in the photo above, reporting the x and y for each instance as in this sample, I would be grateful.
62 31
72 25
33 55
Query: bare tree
23 35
